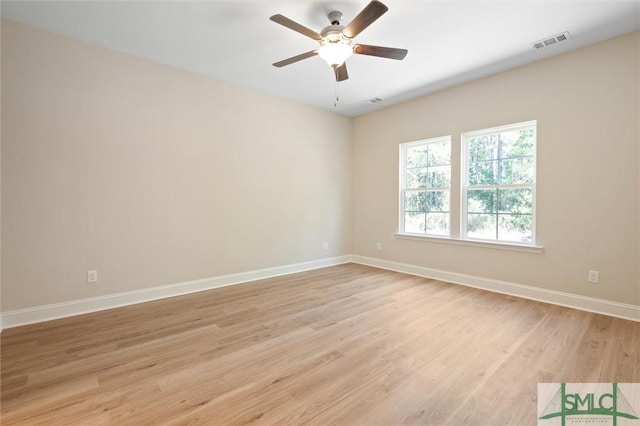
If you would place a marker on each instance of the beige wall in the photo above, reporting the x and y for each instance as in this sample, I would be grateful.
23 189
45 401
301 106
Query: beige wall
587 107
154 175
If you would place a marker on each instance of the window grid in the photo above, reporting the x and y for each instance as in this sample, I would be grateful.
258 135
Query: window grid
425 186
524 219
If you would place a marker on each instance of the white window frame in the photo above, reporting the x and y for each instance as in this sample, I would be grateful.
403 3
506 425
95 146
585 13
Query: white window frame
464 181
403 182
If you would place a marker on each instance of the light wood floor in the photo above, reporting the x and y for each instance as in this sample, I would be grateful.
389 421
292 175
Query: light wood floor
342 345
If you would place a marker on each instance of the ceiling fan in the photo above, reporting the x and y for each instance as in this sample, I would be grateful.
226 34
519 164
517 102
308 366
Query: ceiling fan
336 40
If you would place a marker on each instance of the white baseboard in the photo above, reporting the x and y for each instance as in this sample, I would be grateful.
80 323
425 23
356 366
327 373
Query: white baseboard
37 314
590 304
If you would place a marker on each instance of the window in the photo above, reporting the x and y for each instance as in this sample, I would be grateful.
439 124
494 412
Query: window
425 184
498 184
496 197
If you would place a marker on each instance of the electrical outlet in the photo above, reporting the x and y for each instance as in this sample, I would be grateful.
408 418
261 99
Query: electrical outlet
593 277
325 245
92 276
378 246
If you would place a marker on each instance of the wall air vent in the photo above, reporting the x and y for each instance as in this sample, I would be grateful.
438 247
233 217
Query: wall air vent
548 41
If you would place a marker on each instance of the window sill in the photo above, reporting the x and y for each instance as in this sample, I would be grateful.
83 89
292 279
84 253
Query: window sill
473 243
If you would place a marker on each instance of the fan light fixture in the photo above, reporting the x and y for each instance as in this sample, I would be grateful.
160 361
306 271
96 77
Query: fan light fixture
335 40
335 49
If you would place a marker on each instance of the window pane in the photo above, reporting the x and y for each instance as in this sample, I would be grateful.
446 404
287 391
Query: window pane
506 143
516 170
517 228
437 201
417 178
439 154
414 222
432 177
438 223
439 177
483 173
518 200
517 143
481 201
481 226
417 156
414 201
481 149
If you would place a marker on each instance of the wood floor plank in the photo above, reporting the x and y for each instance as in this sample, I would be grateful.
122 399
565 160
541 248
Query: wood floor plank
347 345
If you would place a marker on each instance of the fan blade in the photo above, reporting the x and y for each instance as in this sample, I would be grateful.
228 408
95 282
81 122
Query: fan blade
292 25
366 17
383 52
296 58
341 72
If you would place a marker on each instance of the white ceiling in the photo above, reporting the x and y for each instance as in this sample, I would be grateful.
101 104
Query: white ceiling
449 42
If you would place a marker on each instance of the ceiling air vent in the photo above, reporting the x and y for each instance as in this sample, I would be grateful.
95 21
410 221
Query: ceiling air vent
550 40
374 100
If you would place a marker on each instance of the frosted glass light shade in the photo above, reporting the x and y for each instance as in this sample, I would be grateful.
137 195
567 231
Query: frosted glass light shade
335 53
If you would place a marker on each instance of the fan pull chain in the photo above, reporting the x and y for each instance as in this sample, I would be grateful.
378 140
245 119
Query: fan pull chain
337 99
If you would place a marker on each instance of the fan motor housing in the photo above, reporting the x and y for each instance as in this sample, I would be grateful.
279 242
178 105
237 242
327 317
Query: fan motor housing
333 34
